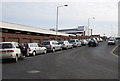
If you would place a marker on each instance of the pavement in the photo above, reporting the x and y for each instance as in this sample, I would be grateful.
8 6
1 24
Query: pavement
77 63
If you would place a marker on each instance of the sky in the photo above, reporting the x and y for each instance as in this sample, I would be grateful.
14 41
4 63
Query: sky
42 14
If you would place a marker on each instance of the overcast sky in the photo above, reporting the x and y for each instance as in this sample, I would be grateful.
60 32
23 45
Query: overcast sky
42 14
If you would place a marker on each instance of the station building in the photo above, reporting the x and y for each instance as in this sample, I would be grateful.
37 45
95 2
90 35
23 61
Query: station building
10 32
78 31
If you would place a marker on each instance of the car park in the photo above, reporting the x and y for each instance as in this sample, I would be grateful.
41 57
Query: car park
34 48
10 50
52 45
65 44
92 43
98 39
111 42
75 42
101 40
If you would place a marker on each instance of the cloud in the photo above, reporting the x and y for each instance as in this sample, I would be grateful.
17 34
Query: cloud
43 14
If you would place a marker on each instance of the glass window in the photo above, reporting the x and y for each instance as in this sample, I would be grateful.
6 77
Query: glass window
71 41
6 45
61 42
46 43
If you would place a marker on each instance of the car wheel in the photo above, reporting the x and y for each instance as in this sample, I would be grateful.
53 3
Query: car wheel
34 53
53 50
16 59
66 48
45 51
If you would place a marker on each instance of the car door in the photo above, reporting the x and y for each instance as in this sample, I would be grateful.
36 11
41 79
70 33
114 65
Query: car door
36 48
40 49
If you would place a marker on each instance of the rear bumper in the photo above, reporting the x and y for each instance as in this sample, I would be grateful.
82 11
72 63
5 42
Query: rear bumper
92 44
111 43
49 49
75 45
7 56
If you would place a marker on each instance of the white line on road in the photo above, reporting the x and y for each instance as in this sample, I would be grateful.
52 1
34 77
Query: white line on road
33 71
113 50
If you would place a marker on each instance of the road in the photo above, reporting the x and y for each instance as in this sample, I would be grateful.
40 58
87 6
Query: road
77 63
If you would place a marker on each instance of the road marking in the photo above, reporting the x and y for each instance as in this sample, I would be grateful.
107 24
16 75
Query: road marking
33 71
115 55
113 50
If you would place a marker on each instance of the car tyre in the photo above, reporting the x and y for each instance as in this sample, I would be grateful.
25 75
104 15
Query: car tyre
16 59
45 51
53 50
66 48
34 53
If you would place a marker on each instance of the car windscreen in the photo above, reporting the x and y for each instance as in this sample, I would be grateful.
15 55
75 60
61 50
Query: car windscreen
6 46
81 40
46 43
60 42
91 41
71 41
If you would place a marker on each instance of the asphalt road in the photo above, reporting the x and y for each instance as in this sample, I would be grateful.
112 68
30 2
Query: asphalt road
77 63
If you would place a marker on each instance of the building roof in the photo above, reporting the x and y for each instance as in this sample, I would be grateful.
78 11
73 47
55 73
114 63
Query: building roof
70 28
19 27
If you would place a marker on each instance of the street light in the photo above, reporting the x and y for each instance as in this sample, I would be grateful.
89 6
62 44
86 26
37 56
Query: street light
57 20
89 24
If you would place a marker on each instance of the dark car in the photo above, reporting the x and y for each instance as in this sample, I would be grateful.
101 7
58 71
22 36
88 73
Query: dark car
92 43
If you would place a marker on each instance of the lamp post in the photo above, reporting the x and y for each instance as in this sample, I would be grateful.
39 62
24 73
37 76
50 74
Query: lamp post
57 20
89 24
91 31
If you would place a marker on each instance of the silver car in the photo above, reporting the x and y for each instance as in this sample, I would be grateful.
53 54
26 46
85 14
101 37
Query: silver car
75 42
65 44
52 45
34 48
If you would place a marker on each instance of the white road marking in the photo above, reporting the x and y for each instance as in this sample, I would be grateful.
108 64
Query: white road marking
33 71
113 50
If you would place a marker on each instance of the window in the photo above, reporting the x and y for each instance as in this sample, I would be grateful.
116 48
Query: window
61 42
71 41
6 46
46 43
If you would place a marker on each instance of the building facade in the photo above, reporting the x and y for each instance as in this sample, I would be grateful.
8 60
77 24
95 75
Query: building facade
79 31
10 32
